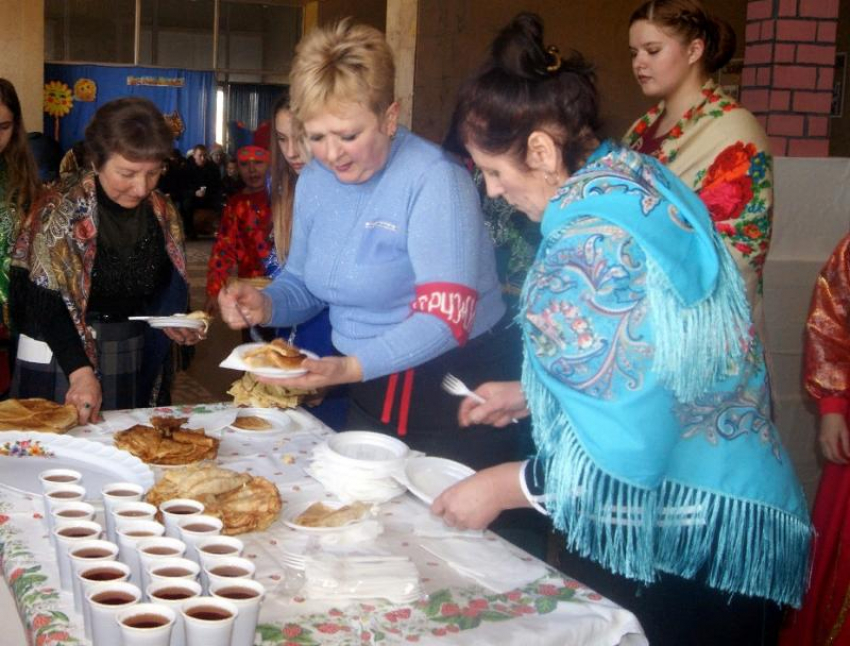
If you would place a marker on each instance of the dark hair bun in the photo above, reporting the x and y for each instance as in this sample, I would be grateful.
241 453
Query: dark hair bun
519 50
720 44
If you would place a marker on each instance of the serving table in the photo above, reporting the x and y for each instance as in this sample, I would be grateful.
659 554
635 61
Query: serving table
549 608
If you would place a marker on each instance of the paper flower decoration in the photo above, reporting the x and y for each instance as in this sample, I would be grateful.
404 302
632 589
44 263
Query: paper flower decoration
58 100
57 103
85 90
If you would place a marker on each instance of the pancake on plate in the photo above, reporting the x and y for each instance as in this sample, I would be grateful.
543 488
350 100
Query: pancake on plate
252 423
277 354
167 443
320 515
244 503
36 414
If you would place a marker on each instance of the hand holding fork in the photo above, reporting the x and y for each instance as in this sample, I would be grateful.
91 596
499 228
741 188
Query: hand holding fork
455 386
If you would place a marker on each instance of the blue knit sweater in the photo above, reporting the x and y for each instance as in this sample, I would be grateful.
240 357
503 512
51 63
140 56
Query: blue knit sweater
361 249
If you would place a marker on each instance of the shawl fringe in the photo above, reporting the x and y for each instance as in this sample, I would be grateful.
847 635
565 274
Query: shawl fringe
737 546
687 360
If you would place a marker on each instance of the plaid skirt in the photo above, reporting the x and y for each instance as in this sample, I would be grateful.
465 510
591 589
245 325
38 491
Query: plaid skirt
120 349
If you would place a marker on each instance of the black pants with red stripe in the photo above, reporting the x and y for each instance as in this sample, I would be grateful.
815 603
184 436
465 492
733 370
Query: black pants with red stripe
429 423
413 406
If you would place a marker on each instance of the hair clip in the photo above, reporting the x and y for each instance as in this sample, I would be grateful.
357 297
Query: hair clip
556 59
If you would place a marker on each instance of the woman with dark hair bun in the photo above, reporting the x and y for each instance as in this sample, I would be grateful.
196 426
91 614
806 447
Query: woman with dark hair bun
701 133
101 246
656 456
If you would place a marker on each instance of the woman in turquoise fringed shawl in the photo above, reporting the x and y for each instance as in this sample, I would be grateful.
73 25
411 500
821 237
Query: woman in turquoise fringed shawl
655 454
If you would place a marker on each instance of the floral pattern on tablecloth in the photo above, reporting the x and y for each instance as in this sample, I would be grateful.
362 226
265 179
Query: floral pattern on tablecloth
37 601
442 614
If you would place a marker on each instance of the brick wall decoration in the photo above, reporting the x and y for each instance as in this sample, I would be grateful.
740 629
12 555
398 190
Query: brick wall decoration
789 64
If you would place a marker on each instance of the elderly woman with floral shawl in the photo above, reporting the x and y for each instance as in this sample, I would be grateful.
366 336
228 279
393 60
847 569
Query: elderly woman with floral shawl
101 247
701 133
656 457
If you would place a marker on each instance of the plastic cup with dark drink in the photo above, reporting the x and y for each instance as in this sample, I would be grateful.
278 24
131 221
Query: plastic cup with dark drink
65 536
174 594
195 529
131 533
146 624
114 494
175 509
105 600
83 554
60 494
247 595
174 569
209 621
156 549
229 569
98 573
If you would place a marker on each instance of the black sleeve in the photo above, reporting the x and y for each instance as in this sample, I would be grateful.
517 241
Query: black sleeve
41 314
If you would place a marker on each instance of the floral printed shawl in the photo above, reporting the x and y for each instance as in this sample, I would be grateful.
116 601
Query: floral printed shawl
8 225
720 151
58 243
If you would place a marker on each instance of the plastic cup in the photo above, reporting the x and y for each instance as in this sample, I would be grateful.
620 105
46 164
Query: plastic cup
114 494
175 509
58 477
81 555
177 569
105 601
129 534
60 495
95 574
131 511
72 511
215 548
65 536
229 569
146 624
174 594
195 529
209 621
155 549
247 595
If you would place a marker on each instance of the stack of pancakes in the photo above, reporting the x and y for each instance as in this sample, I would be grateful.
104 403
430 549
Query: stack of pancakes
36 414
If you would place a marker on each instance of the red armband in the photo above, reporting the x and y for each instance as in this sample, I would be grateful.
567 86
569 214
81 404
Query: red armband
451 302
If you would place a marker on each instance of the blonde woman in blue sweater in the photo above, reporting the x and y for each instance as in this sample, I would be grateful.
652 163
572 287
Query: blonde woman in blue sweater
388 235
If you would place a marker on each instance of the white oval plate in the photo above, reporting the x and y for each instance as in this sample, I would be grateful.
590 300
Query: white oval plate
234 361
23 455
356 447
428 477
279 420
294 511
175 320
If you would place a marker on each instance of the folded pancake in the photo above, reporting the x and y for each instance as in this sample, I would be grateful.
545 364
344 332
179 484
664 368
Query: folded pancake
277 354
247 391
244 503
167 445
320 515
36 414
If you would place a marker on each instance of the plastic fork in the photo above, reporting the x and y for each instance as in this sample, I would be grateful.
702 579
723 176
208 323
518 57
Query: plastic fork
455 386
253 332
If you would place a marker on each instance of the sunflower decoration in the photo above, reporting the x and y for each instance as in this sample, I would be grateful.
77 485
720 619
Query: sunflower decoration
85 90
58 101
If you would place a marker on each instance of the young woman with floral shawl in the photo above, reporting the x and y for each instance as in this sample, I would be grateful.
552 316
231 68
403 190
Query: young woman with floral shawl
656 457
703 135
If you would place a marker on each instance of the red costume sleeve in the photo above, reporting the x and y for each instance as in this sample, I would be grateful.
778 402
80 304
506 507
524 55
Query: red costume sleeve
453 303
827 336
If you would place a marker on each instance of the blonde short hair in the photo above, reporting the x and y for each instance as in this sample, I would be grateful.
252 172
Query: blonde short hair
342 64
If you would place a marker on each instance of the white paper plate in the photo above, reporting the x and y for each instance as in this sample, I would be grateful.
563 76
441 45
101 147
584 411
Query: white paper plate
234 361
375 449
23 455
279 420
294 511
428 477
176 320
